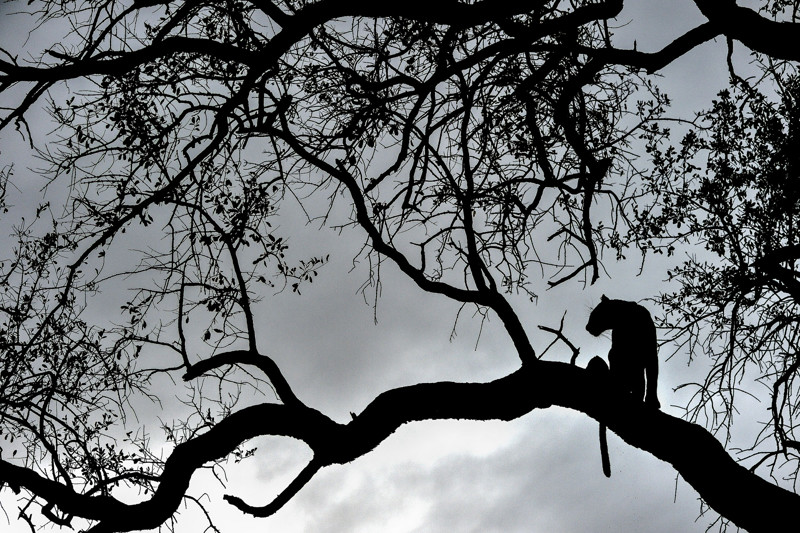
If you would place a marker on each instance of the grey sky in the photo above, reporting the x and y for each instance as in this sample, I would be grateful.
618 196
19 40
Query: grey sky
540 473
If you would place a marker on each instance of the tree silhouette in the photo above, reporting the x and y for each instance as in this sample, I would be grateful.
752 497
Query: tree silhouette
482 148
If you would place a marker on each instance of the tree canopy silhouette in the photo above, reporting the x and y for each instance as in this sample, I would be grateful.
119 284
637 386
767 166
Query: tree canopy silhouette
483 148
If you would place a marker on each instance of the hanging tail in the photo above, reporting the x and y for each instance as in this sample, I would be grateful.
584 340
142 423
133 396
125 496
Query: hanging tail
604 451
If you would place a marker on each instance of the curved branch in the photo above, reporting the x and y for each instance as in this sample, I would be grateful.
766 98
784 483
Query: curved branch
364 220
776 39
701 460
655 61
597 169
283 498
247 357
492 299
123 62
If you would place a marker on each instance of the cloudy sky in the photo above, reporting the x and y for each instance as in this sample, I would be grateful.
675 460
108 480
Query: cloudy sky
539 473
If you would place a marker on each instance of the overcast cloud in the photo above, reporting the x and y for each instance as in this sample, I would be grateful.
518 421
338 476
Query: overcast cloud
540 473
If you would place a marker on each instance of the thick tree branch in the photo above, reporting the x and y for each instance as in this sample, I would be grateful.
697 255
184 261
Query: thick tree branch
655 61
121 62
559 44
749 501
776 39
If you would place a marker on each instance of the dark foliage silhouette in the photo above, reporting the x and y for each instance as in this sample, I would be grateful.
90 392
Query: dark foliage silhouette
484 149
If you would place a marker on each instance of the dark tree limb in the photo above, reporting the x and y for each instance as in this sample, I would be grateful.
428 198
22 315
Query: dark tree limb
283 498
492 299
246 357
746 499
120 63
655 61
559 333
729 488
776 39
